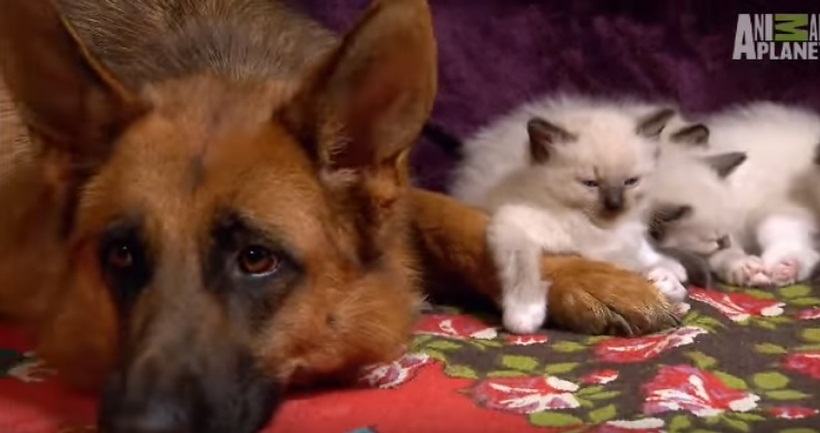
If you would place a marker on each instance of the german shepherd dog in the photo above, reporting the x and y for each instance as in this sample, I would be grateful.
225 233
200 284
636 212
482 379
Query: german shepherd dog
207 201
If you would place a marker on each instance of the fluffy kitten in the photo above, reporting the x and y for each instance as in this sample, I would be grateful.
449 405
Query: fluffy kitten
684 180
574 175
768 209
692 202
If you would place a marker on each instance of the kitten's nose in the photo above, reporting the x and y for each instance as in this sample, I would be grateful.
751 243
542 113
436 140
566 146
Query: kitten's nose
613 198
724 242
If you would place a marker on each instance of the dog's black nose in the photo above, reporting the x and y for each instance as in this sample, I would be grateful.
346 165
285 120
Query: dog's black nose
156 417
164 397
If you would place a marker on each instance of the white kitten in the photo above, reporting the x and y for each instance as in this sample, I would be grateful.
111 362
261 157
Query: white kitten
691 200
768 208
566 175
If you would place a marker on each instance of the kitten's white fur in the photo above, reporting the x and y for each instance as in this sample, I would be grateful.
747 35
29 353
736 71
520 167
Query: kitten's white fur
770 201
544 207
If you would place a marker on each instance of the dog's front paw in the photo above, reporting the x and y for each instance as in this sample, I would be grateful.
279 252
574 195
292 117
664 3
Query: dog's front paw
598 298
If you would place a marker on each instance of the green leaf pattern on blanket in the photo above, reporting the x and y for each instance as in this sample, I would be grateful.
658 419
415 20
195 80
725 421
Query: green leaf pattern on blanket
744 360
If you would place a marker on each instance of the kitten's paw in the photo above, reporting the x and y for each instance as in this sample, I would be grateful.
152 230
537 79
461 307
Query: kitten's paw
524 317
784 273
524 309
790 268
667 284
593 297
676 268
748 271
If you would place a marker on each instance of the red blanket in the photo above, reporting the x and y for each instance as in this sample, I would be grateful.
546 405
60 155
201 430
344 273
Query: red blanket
744 360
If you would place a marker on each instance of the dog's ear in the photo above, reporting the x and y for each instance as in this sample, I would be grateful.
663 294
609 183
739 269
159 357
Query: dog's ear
64 95
365 104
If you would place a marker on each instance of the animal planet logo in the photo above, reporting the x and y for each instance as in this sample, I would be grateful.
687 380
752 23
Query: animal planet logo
777 37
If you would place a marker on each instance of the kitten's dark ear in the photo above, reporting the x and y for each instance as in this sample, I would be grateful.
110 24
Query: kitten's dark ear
651 125
664 214
667 213
695 135
725 163
543 136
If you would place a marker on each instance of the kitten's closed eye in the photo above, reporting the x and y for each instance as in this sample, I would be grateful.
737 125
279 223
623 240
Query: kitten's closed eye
632 181
589 183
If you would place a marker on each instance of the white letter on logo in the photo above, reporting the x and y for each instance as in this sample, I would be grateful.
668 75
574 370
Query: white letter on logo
744 38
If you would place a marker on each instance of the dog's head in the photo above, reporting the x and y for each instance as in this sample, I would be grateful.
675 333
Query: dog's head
226 239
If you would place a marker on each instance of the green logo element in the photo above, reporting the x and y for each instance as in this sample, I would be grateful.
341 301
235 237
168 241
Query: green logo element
788 27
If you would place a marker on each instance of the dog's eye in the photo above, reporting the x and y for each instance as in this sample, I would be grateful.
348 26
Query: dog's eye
632 181
124 263
257 260
590 183
119 257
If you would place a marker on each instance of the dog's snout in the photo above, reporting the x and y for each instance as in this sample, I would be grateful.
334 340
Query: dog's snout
141 400
156 417
188 397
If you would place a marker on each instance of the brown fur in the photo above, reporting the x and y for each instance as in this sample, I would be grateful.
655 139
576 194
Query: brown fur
304 136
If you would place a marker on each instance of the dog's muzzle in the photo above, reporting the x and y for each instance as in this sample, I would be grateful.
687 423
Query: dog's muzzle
187 389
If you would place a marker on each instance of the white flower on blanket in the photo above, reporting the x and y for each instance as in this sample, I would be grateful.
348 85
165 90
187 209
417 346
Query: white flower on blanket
393 374
31 369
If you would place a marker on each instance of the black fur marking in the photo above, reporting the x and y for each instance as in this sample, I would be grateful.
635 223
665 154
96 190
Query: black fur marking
255 297
447 142
126 284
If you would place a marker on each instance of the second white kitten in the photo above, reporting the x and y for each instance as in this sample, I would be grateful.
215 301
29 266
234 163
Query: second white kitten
769 209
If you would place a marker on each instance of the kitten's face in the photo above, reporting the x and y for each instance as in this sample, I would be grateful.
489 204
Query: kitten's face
692 232
692 206
603 167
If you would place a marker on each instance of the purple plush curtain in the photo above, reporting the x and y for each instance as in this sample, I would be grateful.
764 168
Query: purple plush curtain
495 54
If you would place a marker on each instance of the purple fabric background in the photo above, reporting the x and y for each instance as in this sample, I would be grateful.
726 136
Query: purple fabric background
495 54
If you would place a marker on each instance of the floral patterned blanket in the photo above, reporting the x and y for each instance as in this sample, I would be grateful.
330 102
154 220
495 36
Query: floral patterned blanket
743 361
